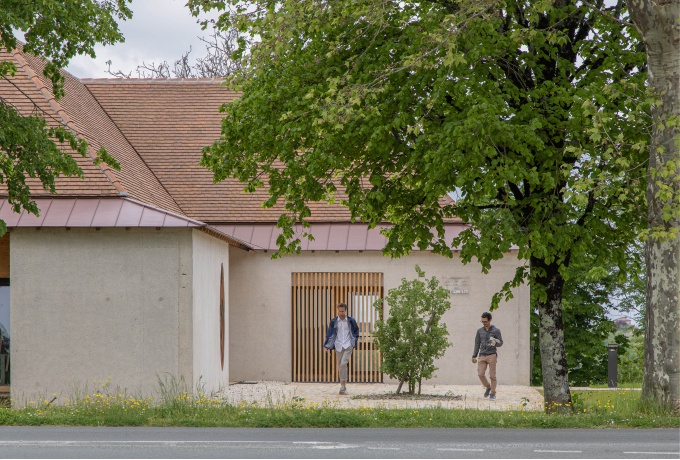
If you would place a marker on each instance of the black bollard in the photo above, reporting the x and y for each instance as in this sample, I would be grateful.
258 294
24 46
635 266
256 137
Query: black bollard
612 368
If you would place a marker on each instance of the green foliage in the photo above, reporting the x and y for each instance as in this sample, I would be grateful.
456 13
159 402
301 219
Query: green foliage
59 30
589 296
535 113
412 337
631 359
539 129
55 31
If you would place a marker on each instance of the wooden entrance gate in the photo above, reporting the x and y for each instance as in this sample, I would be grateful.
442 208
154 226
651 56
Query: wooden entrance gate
315 296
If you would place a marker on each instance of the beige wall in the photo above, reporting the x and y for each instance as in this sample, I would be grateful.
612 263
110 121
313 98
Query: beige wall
209 254
91 304
260 310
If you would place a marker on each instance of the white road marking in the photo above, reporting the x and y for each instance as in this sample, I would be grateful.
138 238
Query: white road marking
312 444
335 446
652 453
559 451
464 450
69 443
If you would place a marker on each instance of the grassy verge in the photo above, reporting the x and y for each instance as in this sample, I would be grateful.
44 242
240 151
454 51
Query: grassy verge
604 409
620 385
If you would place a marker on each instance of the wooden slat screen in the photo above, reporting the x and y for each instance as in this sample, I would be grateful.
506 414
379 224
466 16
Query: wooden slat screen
315 296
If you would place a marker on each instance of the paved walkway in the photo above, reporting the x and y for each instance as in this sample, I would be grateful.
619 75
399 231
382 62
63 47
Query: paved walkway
509 397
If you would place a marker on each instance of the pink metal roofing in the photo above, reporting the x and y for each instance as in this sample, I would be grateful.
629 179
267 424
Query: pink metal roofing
94 212
104 212
327 237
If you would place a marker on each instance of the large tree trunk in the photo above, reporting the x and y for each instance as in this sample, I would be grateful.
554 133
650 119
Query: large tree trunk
658 23
551 340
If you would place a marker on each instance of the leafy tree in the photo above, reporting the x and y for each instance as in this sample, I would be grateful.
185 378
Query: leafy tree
590 297
55 31
412 337
631 360
534 112
657 23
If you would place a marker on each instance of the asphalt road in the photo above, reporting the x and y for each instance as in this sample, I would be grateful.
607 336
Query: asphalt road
105 442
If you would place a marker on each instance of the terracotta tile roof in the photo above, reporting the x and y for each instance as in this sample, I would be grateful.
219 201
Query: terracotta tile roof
83 114
26 93
169 122
156 129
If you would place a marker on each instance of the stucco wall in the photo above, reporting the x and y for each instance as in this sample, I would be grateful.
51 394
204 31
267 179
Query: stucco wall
209 255
95 305
260 310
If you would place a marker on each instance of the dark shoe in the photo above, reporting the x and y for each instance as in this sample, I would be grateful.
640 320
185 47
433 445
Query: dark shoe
492 397
343 391
487 392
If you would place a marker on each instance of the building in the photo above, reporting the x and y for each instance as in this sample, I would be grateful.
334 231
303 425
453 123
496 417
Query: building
154 270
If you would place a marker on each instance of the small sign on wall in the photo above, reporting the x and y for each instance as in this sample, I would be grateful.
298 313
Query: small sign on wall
456 285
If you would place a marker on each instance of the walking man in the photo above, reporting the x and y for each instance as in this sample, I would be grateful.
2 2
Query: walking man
342 335
488 337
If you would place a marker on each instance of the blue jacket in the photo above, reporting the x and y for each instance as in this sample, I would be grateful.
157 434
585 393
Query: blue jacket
332 332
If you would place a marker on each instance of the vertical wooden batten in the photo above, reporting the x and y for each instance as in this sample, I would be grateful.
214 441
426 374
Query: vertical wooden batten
314 298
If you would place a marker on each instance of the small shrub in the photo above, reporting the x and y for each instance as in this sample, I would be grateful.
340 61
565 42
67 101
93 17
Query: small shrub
413 335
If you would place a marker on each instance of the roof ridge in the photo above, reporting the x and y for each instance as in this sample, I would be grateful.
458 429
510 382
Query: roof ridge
49 97
119 80
141 157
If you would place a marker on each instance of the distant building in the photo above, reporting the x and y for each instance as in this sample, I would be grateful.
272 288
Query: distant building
622 322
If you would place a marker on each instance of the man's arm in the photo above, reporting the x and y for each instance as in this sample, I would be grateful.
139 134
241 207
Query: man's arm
476 351
329 331
355 331
499 339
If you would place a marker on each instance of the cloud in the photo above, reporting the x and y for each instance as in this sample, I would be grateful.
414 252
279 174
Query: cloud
160 30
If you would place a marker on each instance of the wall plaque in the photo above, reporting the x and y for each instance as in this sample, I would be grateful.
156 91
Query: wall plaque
456 285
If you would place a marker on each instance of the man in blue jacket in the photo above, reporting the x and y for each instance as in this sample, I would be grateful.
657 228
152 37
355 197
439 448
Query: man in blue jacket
488 337
342 335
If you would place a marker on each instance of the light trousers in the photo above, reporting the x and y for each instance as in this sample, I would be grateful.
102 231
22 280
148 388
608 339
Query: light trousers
343 360
482 363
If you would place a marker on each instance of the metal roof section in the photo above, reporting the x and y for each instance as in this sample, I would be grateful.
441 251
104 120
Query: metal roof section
94 212
105 213
327 237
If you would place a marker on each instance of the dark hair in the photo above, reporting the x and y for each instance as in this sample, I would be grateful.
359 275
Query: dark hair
343 305
486 315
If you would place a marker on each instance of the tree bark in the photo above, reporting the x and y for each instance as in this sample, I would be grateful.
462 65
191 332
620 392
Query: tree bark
551 340
657 21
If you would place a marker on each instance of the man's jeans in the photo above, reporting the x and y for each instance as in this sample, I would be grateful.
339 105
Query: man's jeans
343 360
482 362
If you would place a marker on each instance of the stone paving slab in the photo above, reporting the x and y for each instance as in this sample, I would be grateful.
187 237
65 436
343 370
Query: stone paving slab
272 394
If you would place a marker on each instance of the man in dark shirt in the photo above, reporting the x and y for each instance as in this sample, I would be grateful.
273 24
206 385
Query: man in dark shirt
488 337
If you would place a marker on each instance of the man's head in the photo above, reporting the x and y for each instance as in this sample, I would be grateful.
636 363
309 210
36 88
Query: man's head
342 310
486 319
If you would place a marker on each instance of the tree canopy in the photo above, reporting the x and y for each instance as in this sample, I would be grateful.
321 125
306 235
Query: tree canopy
534 113
55 31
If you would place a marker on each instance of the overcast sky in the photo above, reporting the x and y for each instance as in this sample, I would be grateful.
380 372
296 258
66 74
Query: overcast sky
160 30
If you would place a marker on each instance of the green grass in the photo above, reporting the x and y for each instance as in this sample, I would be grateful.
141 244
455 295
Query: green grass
592 409
620 385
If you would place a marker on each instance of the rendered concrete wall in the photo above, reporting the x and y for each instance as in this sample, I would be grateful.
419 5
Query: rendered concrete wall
90 306
260 308
209 255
